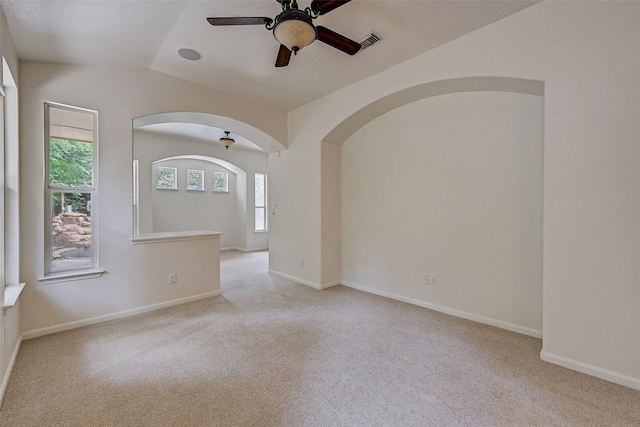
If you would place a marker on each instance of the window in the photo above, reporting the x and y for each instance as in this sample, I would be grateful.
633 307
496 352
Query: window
167 179
9 197
221 182
195 180
261 202
71 149
3 191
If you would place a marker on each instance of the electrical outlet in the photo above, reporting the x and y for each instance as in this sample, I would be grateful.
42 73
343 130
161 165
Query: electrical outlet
301 262
173 278
429 280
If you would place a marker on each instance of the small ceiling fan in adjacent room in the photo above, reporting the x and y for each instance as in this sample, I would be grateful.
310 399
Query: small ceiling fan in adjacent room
293 28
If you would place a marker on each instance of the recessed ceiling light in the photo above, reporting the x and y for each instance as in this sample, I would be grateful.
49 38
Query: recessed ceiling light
189 54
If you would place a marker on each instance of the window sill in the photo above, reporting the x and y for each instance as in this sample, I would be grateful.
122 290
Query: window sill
174 236
11 295
70 276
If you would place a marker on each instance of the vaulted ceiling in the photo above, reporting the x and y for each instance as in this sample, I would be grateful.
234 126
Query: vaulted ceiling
240 59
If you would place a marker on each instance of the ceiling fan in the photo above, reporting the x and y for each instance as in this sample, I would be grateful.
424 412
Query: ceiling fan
293 28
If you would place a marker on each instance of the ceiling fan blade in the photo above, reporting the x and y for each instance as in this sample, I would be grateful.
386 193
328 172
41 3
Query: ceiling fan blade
324 6
241 20
284 55
338 41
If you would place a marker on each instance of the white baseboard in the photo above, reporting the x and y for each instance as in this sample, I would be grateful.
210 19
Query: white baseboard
244 250
594 371
9 371
304 282
113 316
330 284
447 310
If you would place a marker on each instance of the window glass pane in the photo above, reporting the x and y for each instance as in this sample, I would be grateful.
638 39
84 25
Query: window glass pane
71 231
195 180
167 179
260 202
220 181
260 189
260 224
70 163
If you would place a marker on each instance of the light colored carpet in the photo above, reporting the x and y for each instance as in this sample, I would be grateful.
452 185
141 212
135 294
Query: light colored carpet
269 352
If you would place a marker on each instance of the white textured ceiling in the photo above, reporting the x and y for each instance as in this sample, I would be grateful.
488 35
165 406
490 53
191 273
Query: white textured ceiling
240 60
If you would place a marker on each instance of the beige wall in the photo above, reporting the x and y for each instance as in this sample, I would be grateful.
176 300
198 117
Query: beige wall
295 229
586 55
449 186
9 321
330 199
136 275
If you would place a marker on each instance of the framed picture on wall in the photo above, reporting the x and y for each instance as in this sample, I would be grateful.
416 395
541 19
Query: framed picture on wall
167 178
221 182
195 180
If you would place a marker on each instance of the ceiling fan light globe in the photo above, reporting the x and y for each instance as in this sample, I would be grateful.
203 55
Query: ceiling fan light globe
227 142
295 34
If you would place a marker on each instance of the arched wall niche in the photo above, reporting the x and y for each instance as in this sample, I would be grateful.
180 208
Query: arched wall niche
424 238
181 210
355 121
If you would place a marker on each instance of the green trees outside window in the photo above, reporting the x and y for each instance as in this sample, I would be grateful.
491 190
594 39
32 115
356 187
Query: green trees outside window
70 166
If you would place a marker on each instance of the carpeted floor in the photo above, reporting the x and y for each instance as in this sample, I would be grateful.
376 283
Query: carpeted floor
269 352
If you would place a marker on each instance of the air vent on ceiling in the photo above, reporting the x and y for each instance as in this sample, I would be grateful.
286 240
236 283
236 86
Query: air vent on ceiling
369 40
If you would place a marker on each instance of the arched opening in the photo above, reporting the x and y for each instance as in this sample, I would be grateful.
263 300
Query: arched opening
209 188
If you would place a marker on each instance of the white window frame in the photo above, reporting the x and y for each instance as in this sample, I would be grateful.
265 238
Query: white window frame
3 276
263 207
226 182
10 204
199 182
92 270
174 175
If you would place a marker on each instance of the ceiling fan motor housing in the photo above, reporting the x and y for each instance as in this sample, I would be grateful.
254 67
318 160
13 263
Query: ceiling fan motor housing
294 29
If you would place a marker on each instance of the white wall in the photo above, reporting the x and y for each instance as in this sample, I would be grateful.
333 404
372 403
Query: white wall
296 228
182 210
586 53
330 199
136 275
230 213
9 321
449 186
